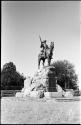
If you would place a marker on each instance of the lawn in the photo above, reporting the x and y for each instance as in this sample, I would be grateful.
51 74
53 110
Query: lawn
39 111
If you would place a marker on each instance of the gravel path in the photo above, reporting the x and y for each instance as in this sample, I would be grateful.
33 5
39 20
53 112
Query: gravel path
39 111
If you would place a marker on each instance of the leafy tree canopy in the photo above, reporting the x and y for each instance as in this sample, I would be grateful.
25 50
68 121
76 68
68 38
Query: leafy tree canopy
11 77
65 73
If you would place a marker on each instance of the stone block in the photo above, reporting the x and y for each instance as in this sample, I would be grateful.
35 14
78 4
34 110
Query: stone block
26 92
19 94
34 94
68 94
27 82
46 94
53 94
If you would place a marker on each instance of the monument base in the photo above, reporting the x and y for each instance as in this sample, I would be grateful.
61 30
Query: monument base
53 94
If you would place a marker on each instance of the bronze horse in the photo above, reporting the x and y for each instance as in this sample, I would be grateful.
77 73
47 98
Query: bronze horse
46 54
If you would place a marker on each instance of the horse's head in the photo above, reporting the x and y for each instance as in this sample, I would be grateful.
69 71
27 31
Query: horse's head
52 45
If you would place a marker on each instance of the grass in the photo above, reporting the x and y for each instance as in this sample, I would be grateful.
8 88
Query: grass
39 111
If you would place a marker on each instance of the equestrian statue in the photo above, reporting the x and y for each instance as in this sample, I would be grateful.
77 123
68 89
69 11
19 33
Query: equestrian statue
45 53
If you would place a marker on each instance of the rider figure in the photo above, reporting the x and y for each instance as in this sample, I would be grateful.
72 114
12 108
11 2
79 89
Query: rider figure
44 46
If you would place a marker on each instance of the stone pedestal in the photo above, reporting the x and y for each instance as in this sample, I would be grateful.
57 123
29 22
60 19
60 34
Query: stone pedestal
45 78
42 84
52 84
51 80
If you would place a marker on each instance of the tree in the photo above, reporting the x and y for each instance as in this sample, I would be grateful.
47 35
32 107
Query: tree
10 78
65 73
9 67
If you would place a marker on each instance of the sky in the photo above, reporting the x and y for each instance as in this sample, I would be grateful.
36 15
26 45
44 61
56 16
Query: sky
23 21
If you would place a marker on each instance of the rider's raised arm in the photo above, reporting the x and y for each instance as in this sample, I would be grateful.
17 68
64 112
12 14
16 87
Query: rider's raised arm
40 38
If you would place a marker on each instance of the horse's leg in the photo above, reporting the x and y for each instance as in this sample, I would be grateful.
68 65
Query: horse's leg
38 63
49 60
43 62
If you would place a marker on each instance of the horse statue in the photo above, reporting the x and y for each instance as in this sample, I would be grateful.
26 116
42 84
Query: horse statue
46 52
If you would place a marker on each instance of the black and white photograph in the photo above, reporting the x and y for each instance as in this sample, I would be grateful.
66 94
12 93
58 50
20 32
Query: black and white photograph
40 62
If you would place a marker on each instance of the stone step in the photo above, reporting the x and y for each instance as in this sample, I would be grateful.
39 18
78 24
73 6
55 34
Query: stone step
53 94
